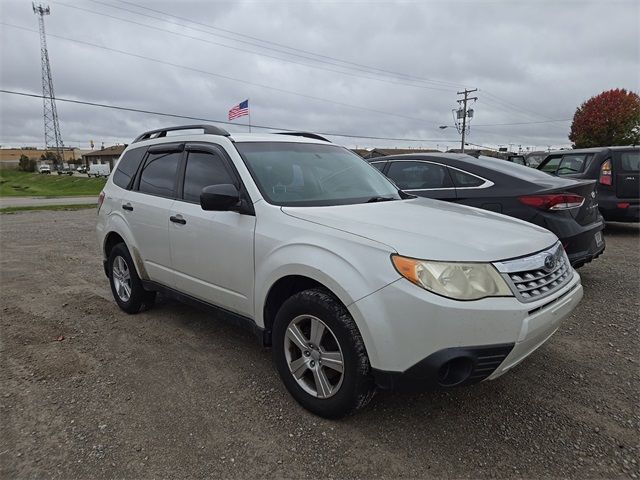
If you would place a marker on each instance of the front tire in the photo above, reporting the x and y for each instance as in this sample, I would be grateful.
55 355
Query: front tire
126 286
320 355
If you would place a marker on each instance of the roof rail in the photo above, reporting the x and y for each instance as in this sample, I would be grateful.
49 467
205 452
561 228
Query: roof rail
315 136
162 132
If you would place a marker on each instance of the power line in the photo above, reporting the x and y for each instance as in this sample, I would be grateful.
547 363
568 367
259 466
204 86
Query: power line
327 57
513 106
152 27
225 77
187 117
523 123
496 98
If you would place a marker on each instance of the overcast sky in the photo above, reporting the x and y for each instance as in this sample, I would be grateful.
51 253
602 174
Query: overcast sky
373 68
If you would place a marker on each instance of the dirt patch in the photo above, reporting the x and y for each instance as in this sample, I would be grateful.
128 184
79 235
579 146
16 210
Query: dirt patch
175 393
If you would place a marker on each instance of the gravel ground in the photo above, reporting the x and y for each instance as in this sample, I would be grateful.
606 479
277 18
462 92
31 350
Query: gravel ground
39 201
88 391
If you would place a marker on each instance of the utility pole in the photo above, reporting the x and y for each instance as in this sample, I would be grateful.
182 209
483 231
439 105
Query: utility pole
464 113
52 136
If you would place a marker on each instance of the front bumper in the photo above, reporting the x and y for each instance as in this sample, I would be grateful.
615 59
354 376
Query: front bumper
415 339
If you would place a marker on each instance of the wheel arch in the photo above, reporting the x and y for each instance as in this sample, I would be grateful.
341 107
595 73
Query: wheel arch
280 291
117 235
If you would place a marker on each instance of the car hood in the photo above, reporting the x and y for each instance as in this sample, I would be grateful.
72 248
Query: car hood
434 230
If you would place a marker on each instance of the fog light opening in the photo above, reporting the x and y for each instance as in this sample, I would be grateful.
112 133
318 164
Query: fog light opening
454 372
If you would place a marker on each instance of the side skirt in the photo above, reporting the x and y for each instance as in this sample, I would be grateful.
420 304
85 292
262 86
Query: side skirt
230 317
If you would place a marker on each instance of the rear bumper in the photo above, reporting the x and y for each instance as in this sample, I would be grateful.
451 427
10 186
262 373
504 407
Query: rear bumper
615 209
586 245
581 242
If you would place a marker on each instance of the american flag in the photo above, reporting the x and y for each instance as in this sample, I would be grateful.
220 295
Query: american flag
239 110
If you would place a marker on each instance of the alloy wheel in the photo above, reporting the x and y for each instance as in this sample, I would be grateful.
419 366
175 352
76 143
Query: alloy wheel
121 278
314 356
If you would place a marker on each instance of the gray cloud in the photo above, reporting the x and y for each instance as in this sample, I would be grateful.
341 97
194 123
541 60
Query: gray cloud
532 61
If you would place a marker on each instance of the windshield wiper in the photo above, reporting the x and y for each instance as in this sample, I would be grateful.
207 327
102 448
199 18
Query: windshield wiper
380 199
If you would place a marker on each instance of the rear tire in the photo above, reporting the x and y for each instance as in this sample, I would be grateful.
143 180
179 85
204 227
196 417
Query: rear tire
126 286
320 355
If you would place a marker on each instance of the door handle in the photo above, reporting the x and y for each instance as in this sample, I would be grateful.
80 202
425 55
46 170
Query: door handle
178 219
128 207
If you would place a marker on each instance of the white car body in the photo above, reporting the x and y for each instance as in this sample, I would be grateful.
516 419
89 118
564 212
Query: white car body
44 169
230 260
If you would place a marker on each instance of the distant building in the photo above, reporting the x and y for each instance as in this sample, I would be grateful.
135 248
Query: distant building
103 156
383 152
11 156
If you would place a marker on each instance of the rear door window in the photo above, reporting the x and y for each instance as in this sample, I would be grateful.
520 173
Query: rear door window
419 175
128 166
158 176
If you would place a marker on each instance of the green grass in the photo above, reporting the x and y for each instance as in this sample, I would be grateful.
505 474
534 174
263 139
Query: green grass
14 183
75 206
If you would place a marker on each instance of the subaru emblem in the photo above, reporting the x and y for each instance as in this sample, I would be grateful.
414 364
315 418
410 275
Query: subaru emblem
549 262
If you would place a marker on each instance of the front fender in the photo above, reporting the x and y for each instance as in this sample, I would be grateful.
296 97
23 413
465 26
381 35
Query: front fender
350 275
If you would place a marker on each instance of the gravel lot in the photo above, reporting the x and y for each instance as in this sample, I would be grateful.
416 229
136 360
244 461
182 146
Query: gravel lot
175 393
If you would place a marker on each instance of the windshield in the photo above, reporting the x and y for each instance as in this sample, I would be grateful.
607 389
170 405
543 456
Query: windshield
309 174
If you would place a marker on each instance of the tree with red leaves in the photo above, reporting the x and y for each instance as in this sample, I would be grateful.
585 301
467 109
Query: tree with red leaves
611 118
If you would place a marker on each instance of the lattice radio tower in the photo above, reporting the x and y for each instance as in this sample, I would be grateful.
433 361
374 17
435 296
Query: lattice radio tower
52 136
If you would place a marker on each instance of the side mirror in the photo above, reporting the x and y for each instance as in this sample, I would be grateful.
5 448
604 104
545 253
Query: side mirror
219 197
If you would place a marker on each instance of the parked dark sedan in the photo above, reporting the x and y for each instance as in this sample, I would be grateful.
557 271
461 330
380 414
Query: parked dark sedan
617 170
566 207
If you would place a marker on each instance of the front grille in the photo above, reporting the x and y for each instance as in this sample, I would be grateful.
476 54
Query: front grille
534 277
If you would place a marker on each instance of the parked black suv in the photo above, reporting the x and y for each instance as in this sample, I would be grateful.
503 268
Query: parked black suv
617 170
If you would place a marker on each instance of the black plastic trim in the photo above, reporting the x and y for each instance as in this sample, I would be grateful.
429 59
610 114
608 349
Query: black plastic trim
236 319
484 360
314 136
162 132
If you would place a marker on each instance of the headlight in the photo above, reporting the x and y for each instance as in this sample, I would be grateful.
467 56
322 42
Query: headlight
461 281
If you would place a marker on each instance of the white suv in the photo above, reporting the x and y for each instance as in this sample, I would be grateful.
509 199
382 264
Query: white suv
353 283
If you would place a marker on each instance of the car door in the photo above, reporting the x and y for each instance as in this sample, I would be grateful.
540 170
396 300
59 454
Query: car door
422 178
212 251
148 208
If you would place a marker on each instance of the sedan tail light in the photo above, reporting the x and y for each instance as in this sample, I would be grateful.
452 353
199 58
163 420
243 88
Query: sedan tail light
100 200
554 201
605 174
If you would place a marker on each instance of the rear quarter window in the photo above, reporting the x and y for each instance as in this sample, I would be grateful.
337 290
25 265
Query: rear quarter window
128 166
572 163
552 165
465 180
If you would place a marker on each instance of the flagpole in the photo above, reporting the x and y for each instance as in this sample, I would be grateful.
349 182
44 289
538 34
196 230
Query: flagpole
249 109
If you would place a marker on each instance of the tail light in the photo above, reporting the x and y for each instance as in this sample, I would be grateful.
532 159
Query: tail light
100 200
605 174
555 201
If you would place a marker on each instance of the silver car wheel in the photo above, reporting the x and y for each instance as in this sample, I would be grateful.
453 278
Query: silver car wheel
314 356
121 278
